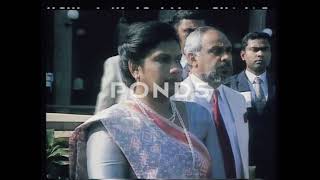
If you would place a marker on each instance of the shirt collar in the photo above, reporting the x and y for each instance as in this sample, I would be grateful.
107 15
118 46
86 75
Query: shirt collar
196 80
252 76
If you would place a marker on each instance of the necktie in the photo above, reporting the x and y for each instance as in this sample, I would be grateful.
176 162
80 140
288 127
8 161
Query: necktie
260 99
229 163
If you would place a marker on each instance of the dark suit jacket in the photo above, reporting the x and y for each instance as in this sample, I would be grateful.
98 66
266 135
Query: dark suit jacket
262 127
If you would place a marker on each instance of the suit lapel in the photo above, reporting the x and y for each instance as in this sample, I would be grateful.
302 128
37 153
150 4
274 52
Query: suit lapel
271 86
242 128
243 85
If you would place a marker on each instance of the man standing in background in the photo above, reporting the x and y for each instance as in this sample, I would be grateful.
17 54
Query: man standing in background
185 22
258 87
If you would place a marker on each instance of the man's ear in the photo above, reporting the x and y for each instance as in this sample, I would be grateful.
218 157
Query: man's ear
134 70
191 59
242 54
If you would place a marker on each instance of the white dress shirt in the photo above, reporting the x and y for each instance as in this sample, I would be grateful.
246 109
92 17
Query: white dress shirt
263 77
227 118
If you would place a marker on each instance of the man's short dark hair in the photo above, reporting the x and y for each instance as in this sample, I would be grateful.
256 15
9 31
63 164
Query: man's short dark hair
187 14
252 36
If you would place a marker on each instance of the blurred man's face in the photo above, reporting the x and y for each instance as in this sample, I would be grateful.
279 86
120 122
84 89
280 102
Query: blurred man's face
257 55
185 27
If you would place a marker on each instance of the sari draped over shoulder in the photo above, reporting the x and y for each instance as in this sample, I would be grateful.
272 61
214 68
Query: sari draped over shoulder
153 147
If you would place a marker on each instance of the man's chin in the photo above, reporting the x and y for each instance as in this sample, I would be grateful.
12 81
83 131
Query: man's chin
215 84
259 68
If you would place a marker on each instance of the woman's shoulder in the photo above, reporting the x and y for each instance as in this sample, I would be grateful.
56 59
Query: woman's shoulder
115 112
117 117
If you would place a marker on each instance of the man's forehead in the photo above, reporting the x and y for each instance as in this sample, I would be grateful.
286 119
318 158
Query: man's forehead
191 23
215 38
258 42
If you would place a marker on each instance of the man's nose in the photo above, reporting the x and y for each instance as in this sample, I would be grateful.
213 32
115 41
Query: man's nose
176 69
260 53
226 57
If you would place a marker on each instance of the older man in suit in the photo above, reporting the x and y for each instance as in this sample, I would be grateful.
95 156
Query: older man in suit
258 88
208 52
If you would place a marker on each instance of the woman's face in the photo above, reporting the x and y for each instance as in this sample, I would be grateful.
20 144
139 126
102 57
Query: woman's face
162 65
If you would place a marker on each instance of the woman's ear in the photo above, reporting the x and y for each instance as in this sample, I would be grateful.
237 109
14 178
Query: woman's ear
134 70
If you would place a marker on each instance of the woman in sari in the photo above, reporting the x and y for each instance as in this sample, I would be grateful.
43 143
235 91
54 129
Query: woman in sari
145 136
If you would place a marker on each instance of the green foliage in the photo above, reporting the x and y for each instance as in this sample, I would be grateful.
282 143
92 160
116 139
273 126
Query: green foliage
57 153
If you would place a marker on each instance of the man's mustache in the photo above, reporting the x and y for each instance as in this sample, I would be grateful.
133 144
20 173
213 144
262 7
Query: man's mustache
224 65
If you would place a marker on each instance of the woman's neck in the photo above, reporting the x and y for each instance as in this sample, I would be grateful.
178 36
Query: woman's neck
161 105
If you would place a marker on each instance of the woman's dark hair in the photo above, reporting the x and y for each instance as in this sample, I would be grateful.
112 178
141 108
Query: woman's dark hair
141 38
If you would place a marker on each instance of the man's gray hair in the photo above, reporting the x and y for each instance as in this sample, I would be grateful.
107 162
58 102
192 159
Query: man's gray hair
194 39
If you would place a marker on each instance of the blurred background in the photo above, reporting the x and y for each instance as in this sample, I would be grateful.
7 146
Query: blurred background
75 44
